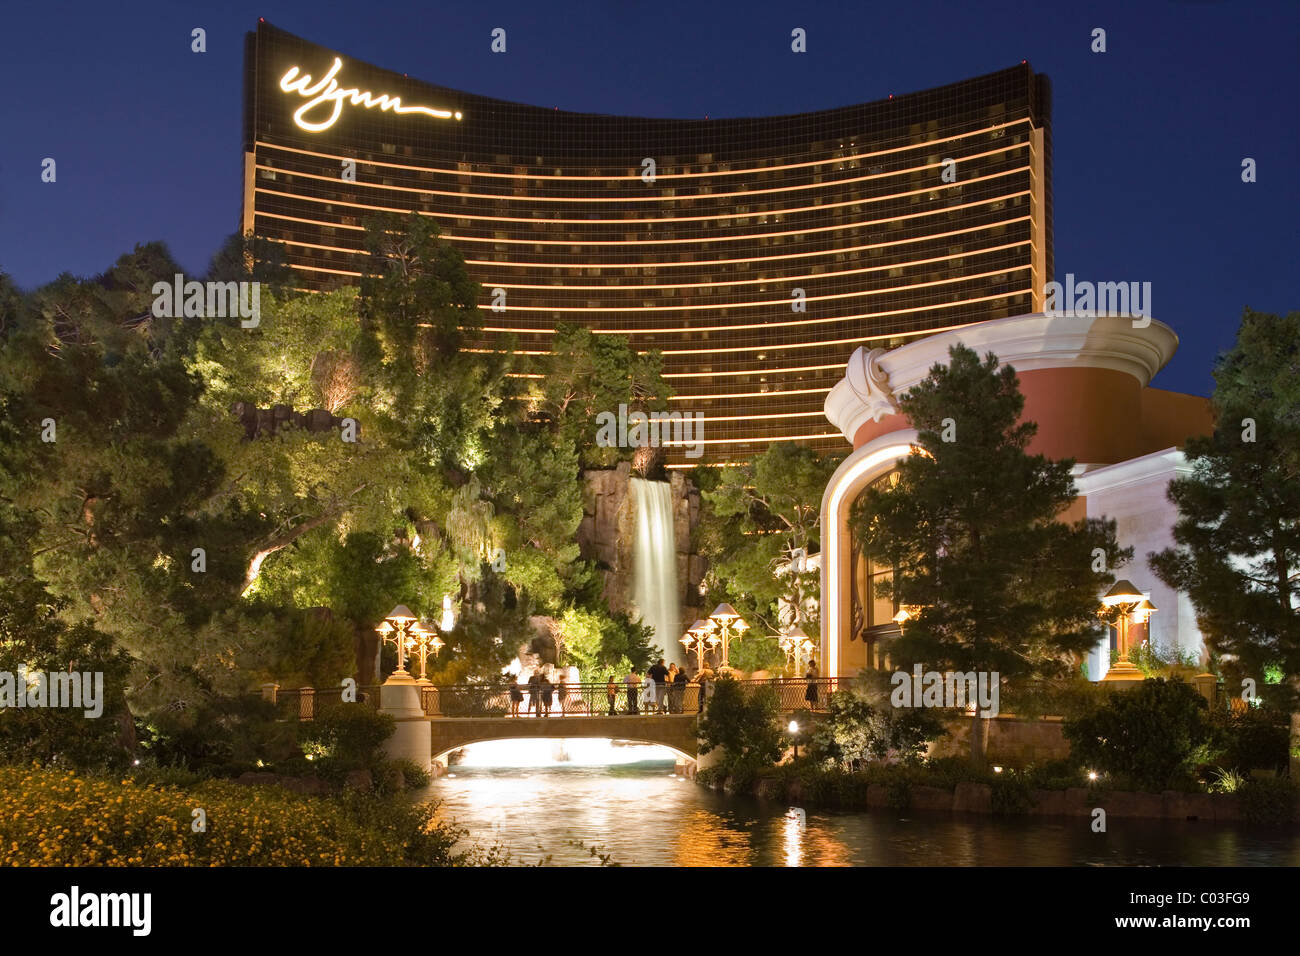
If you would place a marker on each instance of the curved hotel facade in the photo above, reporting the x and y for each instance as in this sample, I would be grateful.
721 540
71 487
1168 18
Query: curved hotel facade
1086 381
755 254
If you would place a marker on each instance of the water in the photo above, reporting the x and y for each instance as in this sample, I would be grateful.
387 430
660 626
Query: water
654 567
641 813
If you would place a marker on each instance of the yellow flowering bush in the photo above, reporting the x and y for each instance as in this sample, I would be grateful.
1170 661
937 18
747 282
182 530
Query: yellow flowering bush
59 818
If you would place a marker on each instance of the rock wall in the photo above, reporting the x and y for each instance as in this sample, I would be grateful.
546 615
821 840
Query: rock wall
1012 741
267 421
607 529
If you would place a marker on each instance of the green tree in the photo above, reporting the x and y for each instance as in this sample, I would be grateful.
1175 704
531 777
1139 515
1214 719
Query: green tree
743 723
1237 538
417 295
760 525
251 258
121 504
973 531
34 639
586 374
600 643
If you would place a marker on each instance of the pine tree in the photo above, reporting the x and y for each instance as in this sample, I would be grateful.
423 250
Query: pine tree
973 528
1237 553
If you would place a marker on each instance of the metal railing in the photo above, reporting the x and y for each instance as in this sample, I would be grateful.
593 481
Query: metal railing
307 703
594 700
569 700
1223 700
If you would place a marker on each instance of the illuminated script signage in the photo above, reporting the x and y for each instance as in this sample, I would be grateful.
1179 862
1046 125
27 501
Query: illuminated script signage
325 99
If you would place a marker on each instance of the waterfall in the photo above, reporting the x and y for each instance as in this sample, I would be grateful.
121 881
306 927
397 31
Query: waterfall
654 569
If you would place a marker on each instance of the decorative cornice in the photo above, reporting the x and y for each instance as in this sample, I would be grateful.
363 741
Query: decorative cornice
1166 464
874 379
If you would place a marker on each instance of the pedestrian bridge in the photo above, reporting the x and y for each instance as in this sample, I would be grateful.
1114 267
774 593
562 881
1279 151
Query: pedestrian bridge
463 714
474 713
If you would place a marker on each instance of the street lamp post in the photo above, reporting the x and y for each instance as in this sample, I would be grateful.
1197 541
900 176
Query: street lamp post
796 645
726 623
1124 605
695 640
412 737
424 641
398 628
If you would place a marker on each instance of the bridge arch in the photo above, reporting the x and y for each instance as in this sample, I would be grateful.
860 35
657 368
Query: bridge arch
676 732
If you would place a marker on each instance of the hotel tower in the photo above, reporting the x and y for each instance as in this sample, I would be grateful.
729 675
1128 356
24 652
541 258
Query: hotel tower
754 253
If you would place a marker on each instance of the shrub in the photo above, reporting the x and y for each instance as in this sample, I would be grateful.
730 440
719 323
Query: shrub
1010 793
348 737
709 777
857 729
1154 734
222 736
1053 775
743 724
1153 661
1226 781
1254 739
57 818
1068 697
395 776
1269 801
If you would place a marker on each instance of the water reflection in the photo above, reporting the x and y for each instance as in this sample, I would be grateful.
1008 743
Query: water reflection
795 824
642 814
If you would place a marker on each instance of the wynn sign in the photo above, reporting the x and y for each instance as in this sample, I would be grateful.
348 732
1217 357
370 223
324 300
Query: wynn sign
327 93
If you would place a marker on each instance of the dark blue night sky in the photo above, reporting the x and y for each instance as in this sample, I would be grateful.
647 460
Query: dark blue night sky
1148 137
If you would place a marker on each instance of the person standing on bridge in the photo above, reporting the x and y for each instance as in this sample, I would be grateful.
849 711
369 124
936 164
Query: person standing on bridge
516 697
546 689
659 676
678 690
703 678
631 680
810 694
535 693
611 691
561 692
648 687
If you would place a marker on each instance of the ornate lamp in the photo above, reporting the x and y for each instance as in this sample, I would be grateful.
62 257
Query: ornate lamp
727 624
1124 605
695 639
397 628
425 640
907 612
796 644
